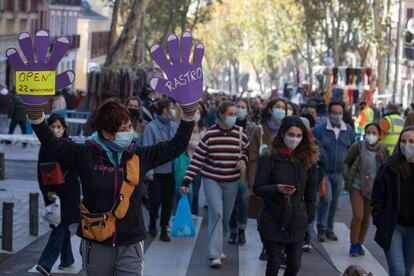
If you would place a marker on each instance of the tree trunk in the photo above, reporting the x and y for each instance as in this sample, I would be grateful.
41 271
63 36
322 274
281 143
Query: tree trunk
114 24
258 77
119 51
309 62
230 79
380 33
139 47
235 65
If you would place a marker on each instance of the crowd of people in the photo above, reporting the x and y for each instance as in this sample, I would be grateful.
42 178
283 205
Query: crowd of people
296 162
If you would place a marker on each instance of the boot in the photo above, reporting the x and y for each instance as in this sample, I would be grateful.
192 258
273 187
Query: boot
233 238
263 255
242 237
164 235
152 227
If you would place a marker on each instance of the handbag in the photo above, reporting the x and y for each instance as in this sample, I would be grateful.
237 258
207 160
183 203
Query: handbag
52 174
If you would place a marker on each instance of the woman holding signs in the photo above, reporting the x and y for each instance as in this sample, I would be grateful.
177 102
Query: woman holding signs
110 165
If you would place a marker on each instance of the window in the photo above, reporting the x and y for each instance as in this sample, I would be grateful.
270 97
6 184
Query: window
408 51
23 5
100 43
9 5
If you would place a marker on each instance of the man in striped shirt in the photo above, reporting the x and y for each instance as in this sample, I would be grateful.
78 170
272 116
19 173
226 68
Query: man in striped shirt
221 157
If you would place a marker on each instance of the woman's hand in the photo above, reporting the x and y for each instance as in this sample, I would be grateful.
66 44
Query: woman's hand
241 165
286 189
51 196
184 190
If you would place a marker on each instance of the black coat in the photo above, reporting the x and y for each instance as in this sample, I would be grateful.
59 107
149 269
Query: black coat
385 201
69 192
285 220
101 179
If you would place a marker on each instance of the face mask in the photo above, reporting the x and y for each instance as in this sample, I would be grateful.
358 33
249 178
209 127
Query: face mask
278 114
230 121
124 139
289 112
336 120
292 142
173 113
134 112
407 151
197 117
241 113
371 139
58 132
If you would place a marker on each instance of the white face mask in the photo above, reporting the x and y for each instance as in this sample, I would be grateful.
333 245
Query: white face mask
289 112
292 142
371 139
58 132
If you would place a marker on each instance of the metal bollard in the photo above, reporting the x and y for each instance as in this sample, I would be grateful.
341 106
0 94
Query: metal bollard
7 227
2 172
34 214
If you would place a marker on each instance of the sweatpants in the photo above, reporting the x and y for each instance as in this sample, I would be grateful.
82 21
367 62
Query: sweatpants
161 192
103 260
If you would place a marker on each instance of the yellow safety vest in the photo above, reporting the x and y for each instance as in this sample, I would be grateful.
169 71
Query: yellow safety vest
396 123
369 116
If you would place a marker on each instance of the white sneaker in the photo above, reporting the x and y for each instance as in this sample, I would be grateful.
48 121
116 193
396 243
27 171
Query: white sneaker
215 263
223 256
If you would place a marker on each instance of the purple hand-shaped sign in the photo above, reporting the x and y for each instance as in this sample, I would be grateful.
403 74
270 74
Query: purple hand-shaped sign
184 81
37 77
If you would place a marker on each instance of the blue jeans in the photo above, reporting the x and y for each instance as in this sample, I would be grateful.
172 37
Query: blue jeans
400 256
329 203
238 219
220 199
59 243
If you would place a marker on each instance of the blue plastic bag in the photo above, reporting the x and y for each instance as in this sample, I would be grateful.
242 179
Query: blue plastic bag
183 225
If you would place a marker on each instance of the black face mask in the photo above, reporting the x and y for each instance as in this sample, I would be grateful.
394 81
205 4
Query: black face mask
134 115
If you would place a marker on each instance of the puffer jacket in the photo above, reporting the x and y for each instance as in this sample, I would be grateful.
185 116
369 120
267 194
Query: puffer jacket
285 219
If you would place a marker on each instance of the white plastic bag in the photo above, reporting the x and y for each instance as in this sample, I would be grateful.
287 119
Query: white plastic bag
51 213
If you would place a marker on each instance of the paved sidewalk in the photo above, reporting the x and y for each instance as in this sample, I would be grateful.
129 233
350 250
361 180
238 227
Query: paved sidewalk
17 191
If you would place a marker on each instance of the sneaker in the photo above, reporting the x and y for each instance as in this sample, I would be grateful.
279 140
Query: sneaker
321 236
307 247
360 250
353 251
331 236
64 267
263 255
242 237
164 236
43 270
215 263
223 256
233 238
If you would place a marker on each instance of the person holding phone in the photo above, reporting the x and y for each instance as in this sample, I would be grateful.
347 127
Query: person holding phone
286 184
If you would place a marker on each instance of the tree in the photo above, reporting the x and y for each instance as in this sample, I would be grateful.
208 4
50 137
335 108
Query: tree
117 54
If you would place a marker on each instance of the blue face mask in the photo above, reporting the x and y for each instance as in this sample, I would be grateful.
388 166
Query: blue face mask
336 120
278 114
173 113
230 121
124 139
241 113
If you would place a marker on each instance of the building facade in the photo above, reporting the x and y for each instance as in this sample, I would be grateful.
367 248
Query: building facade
94 24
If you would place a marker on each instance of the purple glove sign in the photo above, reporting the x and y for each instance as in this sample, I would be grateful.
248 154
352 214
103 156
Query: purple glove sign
184 81
37 68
